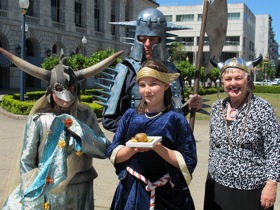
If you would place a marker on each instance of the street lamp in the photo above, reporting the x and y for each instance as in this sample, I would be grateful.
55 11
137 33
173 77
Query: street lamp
23 4
84 41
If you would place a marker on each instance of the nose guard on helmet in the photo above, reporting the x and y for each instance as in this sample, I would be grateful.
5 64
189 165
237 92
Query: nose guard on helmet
150 22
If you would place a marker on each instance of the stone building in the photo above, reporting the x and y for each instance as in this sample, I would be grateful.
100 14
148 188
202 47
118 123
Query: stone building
56 24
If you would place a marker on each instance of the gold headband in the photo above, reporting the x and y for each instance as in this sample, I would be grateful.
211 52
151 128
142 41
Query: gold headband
149 72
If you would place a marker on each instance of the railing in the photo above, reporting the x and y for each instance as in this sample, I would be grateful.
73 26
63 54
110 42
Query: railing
81 30
32 19
3 13
58 25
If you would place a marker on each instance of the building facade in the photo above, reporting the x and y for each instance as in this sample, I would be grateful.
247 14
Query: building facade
265 42
57 24
241 36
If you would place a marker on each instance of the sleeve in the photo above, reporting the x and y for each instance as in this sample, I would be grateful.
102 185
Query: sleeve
110 122
272 145
119 137
85 139
32 138
185 152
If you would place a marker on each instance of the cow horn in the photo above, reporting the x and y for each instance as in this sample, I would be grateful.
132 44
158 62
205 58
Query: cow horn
216 63
95 69
257 60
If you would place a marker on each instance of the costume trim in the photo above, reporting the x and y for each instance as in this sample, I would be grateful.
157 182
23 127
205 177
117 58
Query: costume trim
114 153
183 167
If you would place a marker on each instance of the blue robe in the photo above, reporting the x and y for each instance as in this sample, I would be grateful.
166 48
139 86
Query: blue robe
57 173
177 136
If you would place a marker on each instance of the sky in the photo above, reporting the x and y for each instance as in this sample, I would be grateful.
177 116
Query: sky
258 7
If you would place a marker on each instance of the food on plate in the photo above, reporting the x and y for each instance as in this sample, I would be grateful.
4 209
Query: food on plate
141 137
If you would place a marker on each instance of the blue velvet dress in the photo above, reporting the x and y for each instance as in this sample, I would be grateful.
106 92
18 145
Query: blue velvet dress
176 135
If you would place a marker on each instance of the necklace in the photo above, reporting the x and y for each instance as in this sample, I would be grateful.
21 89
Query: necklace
244 123
235 110
154 116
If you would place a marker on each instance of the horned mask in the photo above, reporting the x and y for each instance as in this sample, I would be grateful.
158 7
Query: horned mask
63 81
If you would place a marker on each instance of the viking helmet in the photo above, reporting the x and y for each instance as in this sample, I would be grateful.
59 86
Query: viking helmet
63 81
236 63
240 64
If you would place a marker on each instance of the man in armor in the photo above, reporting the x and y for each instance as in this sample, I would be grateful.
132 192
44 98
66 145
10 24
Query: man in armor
150 42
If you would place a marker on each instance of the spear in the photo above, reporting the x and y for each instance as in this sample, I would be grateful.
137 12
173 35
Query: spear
199 57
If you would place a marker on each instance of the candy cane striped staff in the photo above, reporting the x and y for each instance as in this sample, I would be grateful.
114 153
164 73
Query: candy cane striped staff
151 186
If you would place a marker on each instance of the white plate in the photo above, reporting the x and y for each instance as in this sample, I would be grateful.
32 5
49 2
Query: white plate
150 144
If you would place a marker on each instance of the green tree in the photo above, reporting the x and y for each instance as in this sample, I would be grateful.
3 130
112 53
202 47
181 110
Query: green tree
50 62
213 75
177 52
77 62
187 70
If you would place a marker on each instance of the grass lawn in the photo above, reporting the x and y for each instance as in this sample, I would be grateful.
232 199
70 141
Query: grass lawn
208 100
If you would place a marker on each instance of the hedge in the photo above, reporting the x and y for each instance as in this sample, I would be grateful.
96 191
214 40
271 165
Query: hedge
12 104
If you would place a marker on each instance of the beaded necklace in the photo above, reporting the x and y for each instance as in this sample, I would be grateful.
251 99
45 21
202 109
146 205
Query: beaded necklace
154 116
244 123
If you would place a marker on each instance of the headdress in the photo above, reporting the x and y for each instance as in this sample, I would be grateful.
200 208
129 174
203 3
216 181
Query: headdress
240 64
236 63
162 76
61 75
150 22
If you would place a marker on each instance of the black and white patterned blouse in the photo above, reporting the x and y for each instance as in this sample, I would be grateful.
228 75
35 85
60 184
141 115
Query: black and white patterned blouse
249 164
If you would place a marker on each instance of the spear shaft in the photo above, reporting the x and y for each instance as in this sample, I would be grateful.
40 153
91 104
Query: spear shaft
199 58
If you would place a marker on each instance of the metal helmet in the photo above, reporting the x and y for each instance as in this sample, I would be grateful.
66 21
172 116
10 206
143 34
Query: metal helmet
150 22
240 64
236 63
63 81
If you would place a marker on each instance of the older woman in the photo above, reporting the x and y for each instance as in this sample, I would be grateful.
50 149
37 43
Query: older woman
244 157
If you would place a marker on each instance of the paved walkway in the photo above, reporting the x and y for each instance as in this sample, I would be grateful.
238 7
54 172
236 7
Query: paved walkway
12 126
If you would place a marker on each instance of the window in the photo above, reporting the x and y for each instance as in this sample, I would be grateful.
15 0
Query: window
199 17
232 40
4 4
205 40
30 10
96 15
234 16
113 17
168 18
128 16
184 18
78 13
55 8
188 41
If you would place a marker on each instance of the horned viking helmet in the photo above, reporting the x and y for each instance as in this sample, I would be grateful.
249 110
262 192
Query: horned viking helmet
240 64
236 63
63 81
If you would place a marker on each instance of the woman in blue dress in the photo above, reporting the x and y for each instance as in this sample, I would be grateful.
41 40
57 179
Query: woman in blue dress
158 177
